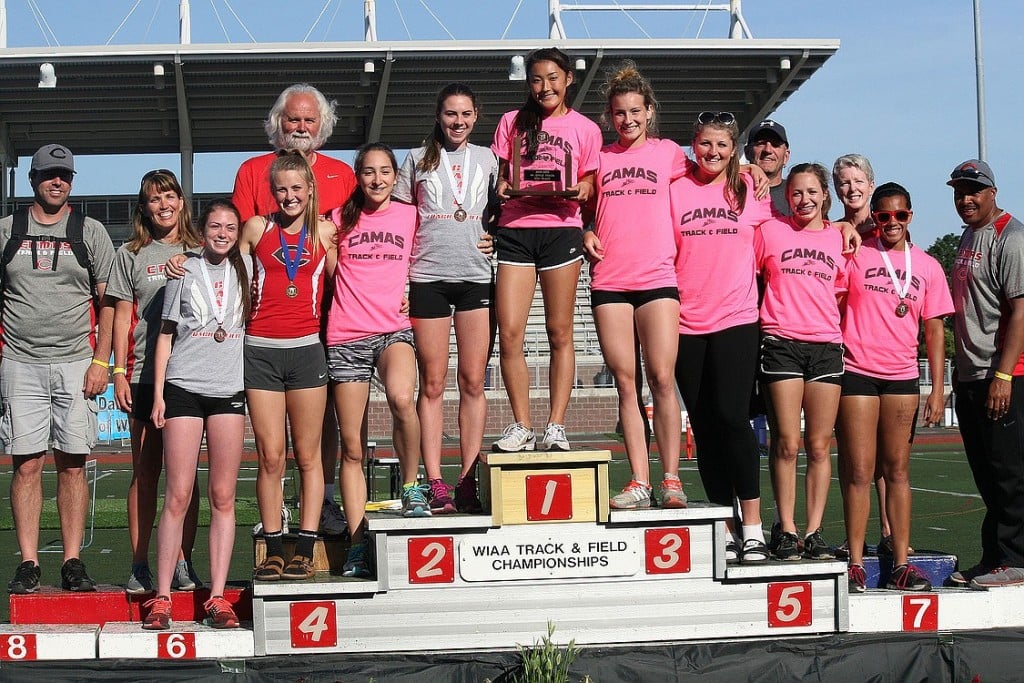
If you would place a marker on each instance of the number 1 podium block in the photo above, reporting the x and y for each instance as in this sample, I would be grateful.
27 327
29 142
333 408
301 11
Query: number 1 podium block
544 488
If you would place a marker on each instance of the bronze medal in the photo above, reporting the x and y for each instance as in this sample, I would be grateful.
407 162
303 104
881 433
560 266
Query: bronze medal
220 335
460 215
292 291
902 309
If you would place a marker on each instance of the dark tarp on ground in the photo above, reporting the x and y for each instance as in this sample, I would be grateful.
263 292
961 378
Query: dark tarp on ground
936 658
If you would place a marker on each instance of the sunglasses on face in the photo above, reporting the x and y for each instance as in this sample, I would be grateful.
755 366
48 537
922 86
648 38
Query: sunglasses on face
63 174
883 217
723 117
968 173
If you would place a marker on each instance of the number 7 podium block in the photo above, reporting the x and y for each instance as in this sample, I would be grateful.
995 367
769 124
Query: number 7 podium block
542 488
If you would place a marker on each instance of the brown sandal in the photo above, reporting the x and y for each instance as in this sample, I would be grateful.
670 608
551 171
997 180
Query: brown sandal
270 569
299 568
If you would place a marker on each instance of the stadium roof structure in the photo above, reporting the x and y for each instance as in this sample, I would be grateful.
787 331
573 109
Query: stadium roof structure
192 98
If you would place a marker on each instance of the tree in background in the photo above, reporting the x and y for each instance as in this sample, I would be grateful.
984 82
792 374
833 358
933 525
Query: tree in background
944 250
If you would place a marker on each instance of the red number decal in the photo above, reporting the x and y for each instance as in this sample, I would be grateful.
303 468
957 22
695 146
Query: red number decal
18 647
667 551
176 645
432 560
314 624
921 612
789 604
548 497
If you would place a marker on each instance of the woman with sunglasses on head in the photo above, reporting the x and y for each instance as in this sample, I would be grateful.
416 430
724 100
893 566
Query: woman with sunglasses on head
199 390
801 260
368 331
633 281
450 181
161 227
717 216
893 287
541 236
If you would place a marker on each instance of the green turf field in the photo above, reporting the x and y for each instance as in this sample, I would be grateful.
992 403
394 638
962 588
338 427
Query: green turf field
947 514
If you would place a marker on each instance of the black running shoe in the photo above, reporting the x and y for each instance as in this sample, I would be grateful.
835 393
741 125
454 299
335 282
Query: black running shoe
907 577
788 548
73 577
774 536
26 579
815 547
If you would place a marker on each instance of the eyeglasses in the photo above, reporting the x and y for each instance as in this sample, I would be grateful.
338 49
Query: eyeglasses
723 117
968 173
883 217
156 172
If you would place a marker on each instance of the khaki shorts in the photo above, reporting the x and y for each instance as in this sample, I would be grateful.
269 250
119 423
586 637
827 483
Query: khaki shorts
43 402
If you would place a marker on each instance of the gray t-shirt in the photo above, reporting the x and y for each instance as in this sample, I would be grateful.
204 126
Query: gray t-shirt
779 200
198 363
444 248
140 278
48 314
988 271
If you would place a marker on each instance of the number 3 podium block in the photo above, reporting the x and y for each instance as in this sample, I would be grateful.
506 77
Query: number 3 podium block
542 488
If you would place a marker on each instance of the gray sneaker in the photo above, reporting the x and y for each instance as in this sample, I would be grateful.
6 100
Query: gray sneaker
516 437
554 438
140 581
185 578
1000 576
414 501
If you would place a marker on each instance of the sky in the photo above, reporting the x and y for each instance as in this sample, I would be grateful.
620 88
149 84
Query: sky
900 90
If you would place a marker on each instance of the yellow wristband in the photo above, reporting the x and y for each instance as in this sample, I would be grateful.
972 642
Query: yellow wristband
119 371
102 364
1003 376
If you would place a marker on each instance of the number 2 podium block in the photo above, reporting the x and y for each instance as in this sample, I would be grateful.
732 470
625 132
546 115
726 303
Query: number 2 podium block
544 488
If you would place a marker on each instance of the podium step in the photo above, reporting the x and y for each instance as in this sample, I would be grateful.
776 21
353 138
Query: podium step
32 642
111 604
944 609
935 566
185 641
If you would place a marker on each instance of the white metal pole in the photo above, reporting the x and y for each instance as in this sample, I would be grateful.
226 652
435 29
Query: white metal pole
370 19
3 23
184 22
979 61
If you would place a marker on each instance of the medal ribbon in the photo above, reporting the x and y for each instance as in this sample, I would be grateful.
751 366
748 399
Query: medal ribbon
902 288
291 265
219 308
458 189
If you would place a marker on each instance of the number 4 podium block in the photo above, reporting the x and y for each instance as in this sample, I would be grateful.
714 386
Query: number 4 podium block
541 488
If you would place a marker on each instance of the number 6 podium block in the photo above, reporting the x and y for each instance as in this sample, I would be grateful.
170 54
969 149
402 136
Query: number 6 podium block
544 488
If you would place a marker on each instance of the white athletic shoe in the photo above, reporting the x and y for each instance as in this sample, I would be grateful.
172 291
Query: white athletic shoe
554 438
515 438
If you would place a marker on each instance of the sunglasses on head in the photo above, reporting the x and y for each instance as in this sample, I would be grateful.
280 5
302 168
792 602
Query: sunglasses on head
723 117
156 172
883 217
968 173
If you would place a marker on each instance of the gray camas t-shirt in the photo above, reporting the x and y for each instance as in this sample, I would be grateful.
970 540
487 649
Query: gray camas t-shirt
198 363
140 278
48 314
444 248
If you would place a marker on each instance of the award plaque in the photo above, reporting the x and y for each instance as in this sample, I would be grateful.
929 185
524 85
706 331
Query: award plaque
544 178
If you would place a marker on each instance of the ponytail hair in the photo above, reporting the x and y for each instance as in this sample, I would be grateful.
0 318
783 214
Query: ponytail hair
351 209
528 119
433 144
235 257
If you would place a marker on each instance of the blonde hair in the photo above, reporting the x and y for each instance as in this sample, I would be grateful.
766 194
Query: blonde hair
625 79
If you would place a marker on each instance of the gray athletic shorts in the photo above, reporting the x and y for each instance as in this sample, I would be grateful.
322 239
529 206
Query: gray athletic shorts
44 402
284 369
354 361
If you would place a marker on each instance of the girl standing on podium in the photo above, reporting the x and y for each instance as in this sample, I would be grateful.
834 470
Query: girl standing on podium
894 286
541 236
199 388
368 331
450 181
633 278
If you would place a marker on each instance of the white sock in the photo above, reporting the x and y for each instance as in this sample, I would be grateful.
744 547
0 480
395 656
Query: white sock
753 531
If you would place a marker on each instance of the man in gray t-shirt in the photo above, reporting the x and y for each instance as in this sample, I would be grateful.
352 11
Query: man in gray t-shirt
50 370
988 326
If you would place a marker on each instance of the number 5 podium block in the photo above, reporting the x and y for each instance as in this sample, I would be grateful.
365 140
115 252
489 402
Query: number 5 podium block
545 488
